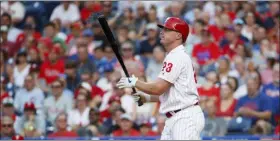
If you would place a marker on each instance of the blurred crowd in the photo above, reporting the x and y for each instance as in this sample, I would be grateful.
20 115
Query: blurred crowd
58 71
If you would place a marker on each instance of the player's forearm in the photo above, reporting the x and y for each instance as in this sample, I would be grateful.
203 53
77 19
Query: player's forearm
148 88
154 98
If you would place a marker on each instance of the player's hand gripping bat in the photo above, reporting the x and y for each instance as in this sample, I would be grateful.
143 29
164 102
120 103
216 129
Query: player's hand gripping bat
110 37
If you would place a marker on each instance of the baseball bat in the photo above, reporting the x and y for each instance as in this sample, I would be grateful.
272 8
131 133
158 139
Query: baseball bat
113 42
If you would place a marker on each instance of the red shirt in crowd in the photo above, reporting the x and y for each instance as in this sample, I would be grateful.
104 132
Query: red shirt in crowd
10 47
86 12
204 53
216 32
227 113
132 132
95 91
151 133
229 49
51 72
63 134
277 130
21 37
213 92
3 96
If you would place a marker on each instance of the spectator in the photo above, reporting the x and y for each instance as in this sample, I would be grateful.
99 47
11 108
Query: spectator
224 70
227 103
113 123
176 9
34 57
8 108
7 130
146 130
238 26
133 66
254 105
107 83
57 102
89 8
6 19
21 69
272 90
53 67
230 42
72 77
44 44
66 91
75 30
122 34
10 47
67 12
28 31
61 127
126 125
240 67
101 61
248 29
209 90
147 46
78 117
30 124
195 34
29 93
127 19
266 73
15 9
214 126
99 37
155 63
95 127
206 52
141 16
51 30
84 59
109 55
59 31
87 38
3 92
94 90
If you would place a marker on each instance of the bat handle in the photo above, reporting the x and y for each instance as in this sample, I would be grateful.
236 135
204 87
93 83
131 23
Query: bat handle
140 103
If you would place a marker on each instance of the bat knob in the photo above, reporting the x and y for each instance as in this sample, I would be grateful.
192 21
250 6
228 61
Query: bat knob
140 103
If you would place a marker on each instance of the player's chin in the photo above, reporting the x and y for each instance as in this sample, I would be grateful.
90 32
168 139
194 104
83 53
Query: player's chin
162 41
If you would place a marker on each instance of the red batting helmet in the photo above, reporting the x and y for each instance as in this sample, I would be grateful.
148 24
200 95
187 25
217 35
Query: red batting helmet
176 24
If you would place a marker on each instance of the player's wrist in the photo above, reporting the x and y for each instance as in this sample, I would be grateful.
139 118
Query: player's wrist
133 80
147 97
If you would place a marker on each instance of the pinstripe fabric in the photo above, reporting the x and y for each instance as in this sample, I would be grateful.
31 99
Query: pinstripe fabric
183 93
184 125
188 123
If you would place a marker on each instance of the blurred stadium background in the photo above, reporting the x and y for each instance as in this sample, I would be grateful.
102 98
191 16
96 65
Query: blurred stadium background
58 72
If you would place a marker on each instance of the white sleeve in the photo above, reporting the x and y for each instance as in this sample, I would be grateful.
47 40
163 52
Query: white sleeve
171 69
17 103
18 11
55 13
75 14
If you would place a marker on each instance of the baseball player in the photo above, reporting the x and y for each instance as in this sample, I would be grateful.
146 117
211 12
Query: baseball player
175 87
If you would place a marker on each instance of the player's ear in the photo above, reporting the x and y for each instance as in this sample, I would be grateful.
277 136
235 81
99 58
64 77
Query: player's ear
179 36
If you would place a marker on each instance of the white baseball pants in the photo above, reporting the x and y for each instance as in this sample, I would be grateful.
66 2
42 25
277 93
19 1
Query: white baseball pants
184 125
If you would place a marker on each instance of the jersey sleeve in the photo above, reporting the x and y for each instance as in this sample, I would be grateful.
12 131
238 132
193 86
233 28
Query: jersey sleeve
171 69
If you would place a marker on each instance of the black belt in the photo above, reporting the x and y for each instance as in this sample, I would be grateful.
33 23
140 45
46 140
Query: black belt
170 114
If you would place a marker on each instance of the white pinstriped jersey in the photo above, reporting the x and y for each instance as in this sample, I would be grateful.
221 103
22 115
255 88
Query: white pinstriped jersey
178 70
